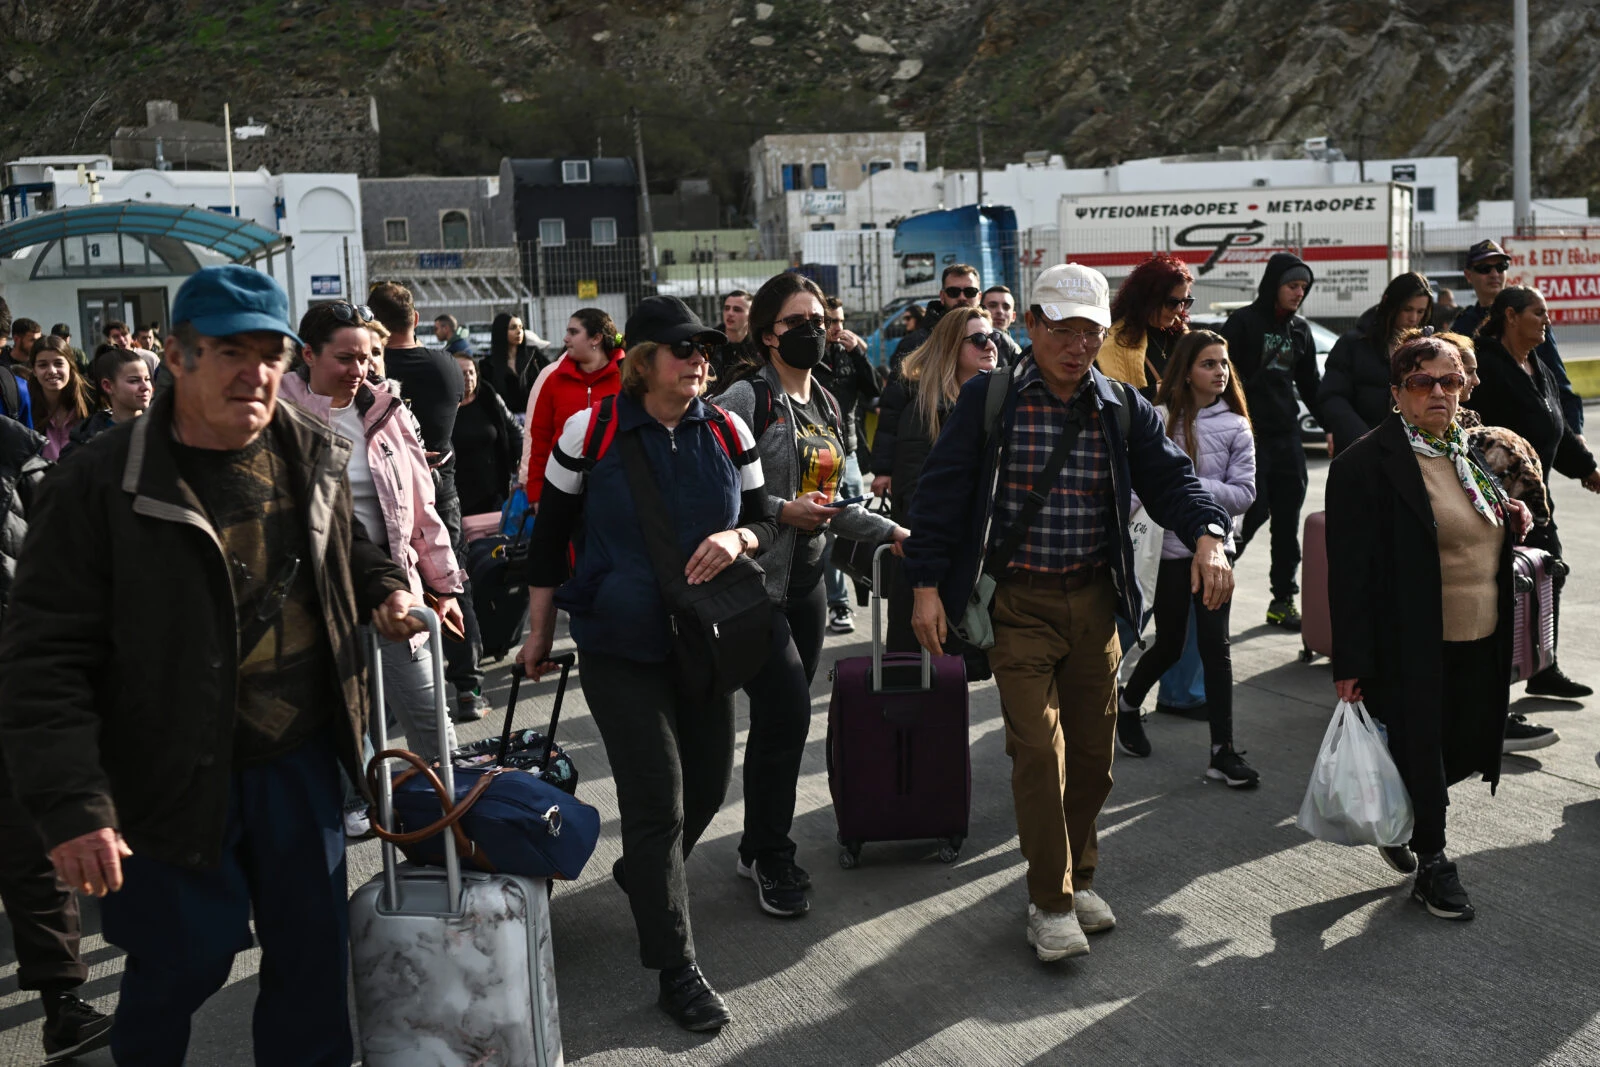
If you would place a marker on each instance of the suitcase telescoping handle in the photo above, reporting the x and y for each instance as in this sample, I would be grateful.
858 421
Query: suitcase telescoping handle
565 662
380 730
875 602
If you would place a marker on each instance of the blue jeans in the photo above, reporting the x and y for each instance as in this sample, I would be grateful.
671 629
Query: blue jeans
283 859
838 586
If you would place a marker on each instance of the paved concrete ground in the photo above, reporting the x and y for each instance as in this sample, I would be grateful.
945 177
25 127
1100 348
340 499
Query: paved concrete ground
1240 940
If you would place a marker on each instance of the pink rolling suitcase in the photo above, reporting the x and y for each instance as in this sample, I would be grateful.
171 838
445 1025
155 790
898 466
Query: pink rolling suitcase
1316 617
1533 625
899 765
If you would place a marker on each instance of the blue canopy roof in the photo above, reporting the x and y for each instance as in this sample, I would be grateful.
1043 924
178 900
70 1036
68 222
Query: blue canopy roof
238 239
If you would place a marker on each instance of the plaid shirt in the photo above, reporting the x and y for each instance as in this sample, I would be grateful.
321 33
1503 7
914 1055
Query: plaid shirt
1069 533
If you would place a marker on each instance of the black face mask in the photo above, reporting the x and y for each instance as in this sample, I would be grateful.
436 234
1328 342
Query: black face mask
802 348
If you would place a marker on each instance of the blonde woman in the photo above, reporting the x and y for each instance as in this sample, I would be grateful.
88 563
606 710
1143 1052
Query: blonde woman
910 414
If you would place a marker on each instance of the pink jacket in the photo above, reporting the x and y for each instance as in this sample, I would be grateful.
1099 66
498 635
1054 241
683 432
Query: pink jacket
419 542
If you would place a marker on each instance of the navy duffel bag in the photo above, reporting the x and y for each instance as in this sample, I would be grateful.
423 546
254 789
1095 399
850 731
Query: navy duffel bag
505 819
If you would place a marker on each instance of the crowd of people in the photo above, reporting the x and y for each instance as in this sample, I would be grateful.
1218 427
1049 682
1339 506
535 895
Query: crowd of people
295 481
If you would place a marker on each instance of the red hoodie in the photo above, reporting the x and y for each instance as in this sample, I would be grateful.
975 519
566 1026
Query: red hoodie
566 392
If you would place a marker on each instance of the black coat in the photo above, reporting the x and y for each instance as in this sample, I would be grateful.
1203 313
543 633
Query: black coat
901 445
1354 395
848 376
1530 406
1386 597
22 468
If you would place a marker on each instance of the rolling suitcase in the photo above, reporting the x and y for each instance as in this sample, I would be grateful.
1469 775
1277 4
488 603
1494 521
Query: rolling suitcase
899 765
1316 617
1533 626
450 968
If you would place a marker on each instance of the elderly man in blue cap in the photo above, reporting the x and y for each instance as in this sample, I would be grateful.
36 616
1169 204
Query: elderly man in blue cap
181 677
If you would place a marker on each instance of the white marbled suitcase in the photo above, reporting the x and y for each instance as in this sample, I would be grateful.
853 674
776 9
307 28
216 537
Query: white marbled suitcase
451 969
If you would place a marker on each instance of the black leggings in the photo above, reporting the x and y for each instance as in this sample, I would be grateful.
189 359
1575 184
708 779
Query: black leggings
780 719
1172 633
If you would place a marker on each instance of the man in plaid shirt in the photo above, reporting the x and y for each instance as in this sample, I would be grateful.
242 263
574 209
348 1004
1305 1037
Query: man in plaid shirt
1057 595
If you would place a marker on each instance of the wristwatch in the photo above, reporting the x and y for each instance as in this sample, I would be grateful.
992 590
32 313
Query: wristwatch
746 540
1216 531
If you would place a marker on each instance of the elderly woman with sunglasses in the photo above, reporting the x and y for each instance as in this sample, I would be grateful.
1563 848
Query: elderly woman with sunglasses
1419 579
392 489
799 433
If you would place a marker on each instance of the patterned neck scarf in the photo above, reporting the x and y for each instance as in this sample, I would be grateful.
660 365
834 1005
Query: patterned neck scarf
1483 493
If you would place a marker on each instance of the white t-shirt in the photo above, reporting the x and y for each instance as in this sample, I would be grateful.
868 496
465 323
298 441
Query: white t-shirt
347 424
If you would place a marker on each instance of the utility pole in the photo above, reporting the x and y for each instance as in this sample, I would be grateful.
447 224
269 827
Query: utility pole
1521 149
980 159
227 139
644 198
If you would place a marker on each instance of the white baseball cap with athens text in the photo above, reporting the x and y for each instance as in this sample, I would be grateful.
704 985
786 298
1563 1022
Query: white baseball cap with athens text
1071 290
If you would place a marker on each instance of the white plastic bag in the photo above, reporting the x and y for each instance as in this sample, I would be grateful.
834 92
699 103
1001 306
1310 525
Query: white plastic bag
1146 537
1355 796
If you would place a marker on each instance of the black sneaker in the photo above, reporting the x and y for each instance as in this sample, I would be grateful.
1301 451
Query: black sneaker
1439 889
778 888
1525 736
470 707
1230 768
1283 613
840 620
1399 857
746 870
690 1000
72 1027
1551 682
1130 734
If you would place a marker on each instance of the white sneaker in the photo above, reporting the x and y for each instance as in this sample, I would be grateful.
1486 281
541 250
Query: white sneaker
1094 914
357 825
1055 935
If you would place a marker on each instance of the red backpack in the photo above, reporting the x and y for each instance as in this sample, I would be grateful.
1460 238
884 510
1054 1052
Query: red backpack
603 430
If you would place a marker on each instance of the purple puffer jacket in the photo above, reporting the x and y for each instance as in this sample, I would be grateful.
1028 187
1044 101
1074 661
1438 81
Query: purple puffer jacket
1226 466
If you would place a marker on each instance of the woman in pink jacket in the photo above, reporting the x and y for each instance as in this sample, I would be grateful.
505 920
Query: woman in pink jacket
393 494
1205 412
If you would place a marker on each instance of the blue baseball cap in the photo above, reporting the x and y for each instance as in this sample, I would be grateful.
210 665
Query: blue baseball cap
222 301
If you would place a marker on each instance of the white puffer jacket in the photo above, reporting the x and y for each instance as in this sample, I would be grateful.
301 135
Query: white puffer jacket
1225 463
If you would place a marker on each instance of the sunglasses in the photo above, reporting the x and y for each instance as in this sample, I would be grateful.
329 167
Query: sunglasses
1491 268
1175 302
1068 334
355 314
1422 384
984 340
955 292
795 322
690 348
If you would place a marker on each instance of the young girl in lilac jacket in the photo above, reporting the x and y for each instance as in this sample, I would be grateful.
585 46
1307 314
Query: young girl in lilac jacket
1203 405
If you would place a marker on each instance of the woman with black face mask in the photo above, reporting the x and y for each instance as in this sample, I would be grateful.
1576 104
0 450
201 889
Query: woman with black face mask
798 430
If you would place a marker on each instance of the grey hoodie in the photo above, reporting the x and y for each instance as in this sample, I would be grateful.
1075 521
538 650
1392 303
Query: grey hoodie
781 467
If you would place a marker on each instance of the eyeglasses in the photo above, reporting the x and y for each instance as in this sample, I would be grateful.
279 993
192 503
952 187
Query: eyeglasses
690 348
1491 268
984 340
1069 335
955 292
355 314
1422 384
1175 302
795 322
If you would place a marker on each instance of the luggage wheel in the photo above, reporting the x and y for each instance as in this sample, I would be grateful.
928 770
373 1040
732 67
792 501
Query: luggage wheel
950 850
849 854
1306 655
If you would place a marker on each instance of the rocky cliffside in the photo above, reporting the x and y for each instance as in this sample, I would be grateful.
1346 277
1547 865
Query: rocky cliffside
462 82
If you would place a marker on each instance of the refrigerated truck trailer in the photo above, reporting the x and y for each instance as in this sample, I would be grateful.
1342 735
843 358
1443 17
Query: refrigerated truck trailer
1353 237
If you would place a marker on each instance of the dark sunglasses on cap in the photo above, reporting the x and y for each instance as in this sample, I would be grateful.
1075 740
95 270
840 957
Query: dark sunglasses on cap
955 292
1498 266
1175 302
355 314
1422 384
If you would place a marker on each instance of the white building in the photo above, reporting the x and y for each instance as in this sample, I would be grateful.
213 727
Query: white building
85 280
835 181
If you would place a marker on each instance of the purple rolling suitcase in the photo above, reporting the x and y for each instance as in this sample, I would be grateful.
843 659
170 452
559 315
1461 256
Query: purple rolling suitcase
1533 625
899 766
